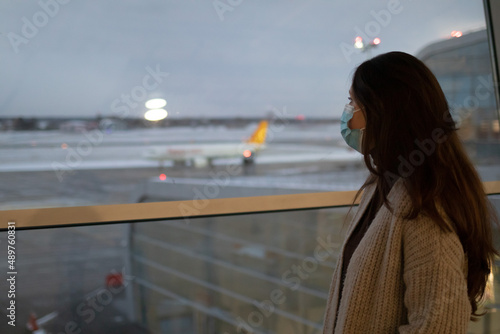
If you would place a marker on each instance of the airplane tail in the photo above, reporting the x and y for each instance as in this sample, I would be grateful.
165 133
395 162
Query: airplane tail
259 135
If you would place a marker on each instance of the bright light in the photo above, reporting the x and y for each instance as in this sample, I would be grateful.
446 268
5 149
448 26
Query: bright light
489 291
155 114
163 177
247 153
496 126
156 103
456 33
64 146
358 42
376 41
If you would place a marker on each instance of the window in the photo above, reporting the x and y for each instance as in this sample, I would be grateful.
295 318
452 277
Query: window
73 95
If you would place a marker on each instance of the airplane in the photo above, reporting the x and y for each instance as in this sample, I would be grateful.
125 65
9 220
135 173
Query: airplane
201 155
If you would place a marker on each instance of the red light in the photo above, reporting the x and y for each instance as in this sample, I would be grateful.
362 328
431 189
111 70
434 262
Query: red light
358 39
247 153
114 280
376 41
456 33
64 146
163 177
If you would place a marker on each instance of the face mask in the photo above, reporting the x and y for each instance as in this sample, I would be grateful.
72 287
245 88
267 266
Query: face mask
353 137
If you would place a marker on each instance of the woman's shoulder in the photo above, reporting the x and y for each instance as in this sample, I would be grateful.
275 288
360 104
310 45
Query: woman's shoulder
424 235
400 200
423 227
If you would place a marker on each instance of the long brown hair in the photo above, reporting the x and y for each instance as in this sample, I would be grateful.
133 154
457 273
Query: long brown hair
410 134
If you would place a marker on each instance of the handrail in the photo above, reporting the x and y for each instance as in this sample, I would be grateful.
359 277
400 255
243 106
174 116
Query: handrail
124 213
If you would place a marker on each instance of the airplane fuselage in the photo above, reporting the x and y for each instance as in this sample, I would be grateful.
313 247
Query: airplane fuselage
182 152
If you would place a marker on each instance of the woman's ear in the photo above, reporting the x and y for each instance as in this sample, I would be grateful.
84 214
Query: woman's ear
358 120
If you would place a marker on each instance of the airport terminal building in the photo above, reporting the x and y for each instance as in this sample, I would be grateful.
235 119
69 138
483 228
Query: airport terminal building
463 69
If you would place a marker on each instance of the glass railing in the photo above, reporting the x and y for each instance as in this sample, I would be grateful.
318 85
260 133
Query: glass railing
247 273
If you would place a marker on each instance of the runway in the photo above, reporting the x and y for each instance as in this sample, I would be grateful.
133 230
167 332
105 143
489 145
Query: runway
55 168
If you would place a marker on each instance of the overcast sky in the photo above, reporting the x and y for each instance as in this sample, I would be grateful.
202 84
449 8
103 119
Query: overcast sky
238 60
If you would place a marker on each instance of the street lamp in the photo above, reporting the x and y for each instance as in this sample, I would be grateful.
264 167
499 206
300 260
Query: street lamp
156 111
155 114
366 47
155 103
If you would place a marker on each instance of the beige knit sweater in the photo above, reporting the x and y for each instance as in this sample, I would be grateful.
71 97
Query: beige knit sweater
406 276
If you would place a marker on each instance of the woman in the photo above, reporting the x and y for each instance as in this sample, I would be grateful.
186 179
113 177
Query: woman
419 250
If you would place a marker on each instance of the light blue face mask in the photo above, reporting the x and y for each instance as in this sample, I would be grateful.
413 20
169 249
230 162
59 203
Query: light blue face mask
353 137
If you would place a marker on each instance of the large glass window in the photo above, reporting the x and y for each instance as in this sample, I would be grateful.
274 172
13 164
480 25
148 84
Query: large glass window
253 91
252 273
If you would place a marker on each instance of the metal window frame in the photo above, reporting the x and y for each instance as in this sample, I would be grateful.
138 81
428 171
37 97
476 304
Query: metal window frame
492 16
